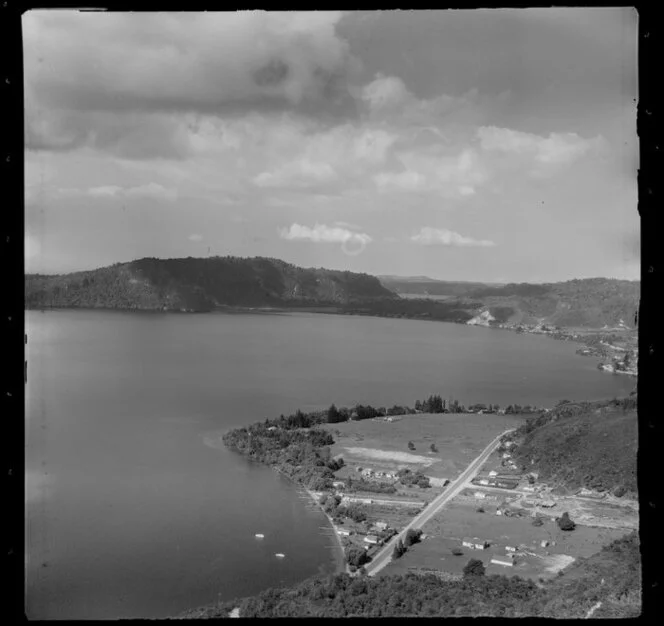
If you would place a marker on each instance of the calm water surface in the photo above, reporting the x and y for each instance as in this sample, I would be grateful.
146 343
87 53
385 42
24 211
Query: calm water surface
135 510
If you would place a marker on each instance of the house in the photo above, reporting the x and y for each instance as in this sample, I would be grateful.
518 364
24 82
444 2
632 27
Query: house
272 428
507 455
338 484
380 525
372 539
509 444
510 548
544 543
493 473
502 561
343 532
480 495
529 488
499 512
482 545
468 543
483 481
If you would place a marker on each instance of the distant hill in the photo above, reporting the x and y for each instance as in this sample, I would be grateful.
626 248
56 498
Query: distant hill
424 286
192 284
590 444
584 303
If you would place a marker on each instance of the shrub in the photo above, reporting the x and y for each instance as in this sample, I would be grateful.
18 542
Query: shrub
399 550
411 445
565 523
457 552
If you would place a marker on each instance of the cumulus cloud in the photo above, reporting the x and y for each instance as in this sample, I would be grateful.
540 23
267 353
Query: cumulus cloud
298 174
557 148
442 237
321 233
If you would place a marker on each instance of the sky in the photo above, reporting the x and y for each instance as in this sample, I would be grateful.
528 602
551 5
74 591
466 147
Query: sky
482 145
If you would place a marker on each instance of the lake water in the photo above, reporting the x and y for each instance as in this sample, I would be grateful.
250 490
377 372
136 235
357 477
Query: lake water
133 509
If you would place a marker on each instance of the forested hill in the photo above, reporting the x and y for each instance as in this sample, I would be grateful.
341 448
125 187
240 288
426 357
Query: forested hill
587 302
192 284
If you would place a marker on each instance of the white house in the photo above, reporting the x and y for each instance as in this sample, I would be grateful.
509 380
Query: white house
544 543
507 455
371 539
510 548
380 525
468 543
483 481
502 561
272 428
338 484
499 512
493 473
483 545
343 532
480 495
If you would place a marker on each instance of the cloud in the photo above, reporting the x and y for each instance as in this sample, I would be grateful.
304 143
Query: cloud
443 237
557 148
195 237
321 233
150 190
83 69
297 174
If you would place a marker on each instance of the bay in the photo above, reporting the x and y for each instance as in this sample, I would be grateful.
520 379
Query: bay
134 509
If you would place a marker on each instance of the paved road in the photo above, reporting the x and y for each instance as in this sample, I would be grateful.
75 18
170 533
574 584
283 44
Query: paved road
385 555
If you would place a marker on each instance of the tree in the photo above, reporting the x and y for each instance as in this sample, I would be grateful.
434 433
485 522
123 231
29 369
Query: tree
333 415
357 557
411 445
474 567
399 550
412 536
565 523
433 447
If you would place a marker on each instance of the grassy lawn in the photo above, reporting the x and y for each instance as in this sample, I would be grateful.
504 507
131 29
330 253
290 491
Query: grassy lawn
460 519
383 445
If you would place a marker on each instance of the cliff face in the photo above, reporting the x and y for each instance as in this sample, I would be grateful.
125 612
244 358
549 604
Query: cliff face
202 284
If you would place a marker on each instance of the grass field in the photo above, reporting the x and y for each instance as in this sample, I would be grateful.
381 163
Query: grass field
460 519
383 445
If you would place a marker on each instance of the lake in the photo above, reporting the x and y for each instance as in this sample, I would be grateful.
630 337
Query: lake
133 509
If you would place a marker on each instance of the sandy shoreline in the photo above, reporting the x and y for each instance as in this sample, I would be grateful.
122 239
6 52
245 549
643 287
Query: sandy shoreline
342 566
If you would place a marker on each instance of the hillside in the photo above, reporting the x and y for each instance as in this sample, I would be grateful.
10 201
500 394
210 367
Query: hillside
584 303
610 578
201 284
591 445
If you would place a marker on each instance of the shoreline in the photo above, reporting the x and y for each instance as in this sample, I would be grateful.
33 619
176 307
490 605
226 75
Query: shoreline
342 566
340 556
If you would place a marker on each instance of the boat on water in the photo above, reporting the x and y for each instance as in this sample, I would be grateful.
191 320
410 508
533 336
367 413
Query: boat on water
279 555
259 536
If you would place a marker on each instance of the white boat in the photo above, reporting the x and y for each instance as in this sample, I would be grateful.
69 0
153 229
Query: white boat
279 555
259 536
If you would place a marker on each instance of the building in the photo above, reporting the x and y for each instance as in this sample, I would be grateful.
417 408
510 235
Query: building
529 488
497 560
372 539
480 495
483 481
493 473
499 511
510 548
343 532
380 525
507 455
338 484
481 545
544 543
272 428
468 543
